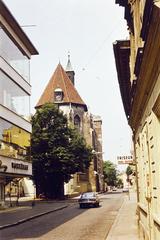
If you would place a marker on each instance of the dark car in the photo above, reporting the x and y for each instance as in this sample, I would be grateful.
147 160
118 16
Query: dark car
89 199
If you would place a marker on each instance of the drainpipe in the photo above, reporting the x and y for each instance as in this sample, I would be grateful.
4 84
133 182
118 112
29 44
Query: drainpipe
137 185
149 196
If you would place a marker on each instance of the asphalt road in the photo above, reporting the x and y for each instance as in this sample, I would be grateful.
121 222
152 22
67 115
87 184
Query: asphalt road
71 223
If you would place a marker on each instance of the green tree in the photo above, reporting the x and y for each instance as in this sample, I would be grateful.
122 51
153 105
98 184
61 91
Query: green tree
129 171
110 173
119 182
58 151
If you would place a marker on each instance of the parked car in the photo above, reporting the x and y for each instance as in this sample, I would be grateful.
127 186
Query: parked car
89 199
114 189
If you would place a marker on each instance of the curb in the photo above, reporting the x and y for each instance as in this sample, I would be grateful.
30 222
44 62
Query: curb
32 217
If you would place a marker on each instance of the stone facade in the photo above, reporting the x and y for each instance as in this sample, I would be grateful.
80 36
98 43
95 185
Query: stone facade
98 158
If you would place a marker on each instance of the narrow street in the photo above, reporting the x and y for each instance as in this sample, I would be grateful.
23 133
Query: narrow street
71 223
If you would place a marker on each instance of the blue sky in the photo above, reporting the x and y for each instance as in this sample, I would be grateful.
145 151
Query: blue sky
86 28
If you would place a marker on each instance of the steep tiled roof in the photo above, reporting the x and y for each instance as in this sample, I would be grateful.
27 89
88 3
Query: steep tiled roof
60 80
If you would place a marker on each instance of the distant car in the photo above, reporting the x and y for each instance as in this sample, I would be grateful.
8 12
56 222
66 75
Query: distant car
89 199
125 189
41 196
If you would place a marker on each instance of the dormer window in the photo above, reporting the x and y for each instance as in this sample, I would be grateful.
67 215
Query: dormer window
58 95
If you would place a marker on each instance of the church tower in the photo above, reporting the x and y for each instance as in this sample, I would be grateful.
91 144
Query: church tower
60 90
69 70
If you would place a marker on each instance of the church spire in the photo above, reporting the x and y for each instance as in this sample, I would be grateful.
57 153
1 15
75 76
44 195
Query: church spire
69 69
69 66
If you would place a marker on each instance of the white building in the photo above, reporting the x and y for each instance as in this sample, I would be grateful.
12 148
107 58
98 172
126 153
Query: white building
15 89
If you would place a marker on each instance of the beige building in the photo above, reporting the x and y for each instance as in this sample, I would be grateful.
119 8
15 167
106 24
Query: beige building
15 90
61 90
138 68
98 156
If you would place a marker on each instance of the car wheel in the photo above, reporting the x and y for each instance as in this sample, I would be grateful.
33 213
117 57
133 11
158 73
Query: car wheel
97 204
81 205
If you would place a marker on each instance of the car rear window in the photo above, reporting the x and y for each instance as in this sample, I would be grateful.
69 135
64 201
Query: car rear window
88 194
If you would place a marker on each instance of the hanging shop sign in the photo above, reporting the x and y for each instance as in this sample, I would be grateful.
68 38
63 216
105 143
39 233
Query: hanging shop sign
125 159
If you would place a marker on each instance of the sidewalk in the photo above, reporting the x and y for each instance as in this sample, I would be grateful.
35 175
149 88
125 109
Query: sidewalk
125 226
16 215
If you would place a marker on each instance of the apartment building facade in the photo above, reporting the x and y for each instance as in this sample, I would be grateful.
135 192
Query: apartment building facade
138 70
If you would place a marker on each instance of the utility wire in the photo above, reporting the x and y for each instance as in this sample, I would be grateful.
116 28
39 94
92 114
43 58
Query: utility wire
101 46
24 26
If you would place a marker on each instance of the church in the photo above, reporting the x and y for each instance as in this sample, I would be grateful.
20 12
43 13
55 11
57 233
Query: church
61 90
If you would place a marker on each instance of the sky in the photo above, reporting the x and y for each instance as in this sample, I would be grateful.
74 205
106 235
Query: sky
87 29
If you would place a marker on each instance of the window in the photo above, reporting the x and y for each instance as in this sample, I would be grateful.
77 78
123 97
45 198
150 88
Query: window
15 58
58 95
13 97
77 122
14 141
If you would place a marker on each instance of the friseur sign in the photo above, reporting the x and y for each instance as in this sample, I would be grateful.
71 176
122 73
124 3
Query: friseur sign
125 159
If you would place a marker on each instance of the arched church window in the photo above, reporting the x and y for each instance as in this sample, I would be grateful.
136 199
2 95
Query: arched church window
58 95
77 122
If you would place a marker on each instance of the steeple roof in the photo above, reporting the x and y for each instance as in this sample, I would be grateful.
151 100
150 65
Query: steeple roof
60 80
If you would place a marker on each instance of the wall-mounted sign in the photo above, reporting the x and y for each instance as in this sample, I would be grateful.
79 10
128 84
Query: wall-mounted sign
125 159
15 166
19 166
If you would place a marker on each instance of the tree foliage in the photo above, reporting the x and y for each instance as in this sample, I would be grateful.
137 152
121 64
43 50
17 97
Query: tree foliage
129 170
57 150
110 173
